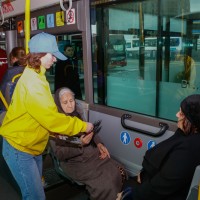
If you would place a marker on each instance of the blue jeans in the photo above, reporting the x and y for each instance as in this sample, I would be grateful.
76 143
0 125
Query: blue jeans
27 171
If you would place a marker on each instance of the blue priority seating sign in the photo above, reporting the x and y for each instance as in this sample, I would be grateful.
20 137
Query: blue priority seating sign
151 144
125 137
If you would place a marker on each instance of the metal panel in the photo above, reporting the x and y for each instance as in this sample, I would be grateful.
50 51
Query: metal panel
11 40
129 154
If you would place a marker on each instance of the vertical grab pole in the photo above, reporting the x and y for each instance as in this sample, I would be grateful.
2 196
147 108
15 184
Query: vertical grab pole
27 24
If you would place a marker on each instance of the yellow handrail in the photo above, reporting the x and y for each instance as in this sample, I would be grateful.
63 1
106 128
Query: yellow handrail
16 76
3 100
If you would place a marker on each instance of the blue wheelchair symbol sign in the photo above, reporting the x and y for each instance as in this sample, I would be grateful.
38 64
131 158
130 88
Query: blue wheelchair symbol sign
125 137
151 144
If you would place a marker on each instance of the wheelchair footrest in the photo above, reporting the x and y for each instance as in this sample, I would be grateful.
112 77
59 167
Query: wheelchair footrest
51 178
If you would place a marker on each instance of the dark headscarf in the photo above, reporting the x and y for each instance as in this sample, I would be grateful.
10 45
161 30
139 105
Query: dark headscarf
76 113
190 106
57 102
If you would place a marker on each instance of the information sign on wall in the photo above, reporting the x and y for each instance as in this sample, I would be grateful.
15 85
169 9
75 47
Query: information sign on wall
41 22
34 24
70 15
20 27
60 18
50 20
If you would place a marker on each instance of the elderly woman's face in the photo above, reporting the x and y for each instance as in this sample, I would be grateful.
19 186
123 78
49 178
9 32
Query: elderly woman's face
67 102
181 118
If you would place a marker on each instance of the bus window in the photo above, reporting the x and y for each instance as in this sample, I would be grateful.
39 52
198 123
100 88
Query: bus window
150 48
135 43
162 66
174 41
128 45
132 46
117 51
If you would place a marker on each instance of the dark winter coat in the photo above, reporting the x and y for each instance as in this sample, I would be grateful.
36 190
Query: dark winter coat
168 168
10 73
67 75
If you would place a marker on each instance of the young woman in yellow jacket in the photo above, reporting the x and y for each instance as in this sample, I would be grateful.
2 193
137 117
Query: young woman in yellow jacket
32 115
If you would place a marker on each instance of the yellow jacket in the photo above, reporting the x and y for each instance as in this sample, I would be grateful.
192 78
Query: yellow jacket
32 115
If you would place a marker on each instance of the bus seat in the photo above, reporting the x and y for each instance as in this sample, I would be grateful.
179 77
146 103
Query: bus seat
82 108
57 166
10 86
193 191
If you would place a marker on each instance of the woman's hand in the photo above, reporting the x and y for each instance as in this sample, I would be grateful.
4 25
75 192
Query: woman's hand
85 139
103 151
89 127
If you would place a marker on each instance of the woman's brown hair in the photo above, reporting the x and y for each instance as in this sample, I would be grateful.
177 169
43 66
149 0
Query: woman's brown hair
188 128
32 60
18 53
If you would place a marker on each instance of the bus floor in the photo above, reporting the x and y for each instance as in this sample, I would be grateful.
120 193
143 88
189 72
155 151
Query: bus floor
56 187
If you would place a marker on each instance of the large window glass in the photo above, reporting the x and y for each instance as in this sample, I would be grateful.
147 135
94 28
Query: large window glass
145 54
69 73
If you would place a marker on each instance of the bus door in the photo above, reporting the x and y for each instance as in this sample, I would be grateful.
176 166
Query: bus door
150 90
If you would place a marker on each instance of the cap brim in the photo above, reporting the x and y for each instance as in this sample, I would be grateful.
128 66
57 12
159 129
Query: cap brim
59 55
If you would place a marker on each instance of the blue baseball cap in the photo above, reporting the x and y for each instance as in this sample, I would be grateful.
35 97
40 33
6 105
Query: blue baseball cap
45 43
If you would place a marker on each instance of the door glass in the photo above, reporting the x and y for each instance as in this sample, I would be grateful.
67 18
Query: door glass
146 54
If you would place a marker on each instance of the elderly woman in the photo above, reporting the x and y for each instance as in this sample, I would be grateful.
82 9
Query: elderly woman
90 163
168 168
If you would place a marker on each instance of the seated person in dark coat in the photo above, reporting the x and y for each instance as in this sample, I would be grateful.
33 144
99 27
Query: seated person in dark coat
168 167
15 59
89 164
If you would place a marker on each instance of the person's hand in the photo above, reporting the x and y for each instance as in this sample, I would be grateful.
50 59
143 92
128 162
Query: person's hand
85 139
103 151
89 127
138 178
126 194
119 196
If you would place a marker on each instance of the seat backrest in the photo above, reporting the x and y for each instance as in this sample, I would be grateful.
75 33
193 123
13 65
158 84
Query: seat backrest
83 109
10 86
193 191
56 162
9 81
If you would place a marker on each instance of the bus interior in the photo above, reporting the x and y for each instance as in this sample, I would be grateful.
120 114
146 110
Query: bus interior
137 60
